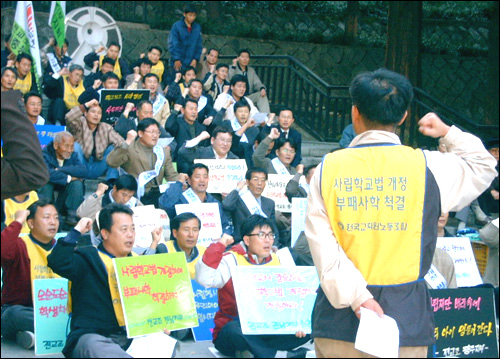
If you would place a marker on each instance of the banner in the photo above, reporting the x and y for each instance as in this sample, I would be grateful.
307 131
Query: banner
464 323
24 37
207 304
113 103
299 209
277 300
146 219
50 305
209 215
224 175
156 293
275 190
56 21
47 133
460 249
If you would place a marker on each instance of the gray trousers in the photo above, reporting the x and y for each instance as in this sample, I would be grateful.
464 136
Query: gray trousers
262 103
98 346
17 318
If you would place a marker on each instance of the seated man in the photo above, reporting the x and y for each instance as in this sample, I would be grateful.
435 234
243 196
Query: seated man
285 122
221 141
109 81
215 83
295 188
197 178
94 61
161 107
215 271
236 93
206 66
177 88
54 57
25 81
206 111
24 259
33 105
64 89
66 176
158 66
141 69
243 203
94 139
9 78
285 152
97 322
10 206
256 90
94 78
145 160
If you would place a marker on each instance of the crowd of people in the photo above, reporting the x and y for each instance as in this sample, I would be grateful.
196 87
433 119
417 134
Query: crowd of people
204 109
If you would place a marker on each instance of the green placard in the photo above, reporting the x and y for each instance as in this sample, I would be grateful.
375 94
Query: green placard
156 293
57 24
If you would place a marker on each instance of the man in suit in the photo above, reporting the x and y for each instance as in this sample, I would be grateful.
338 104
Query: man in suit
220 149
145 160
242 203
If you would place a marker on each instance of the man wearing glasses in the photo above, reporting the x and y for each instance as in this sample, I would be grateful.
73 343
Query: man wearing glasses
286 148
214 271
145 160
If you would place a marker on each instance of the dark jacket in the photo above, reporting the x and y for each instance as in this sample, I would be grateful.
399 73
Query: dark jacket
179 128
188 155
71 166
184 45
292 133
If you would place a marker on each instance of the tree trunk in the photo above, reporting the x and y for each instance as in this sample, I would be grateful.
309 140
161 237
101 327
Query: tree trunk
351 23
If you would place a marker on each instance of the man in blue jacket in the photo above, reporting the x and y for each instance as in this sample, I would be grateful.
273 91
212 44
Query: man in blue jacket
184 41
66 174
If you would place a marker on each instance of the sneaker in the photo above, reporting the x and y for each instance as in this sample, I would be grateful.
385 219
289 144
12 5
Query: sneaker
297 353
25 339
243 354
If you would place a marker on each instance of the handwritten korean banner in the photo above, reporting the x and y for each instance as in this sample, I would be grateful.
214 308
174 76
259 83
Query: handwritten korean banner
156 293
208 213
299 208
207 304
50 304
464 323
224 175
275 190
47 133
113 103
460 249
277 300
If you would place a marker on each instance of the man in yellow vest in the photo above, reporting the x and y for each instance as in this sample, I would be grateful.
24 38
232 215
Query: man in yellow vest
372 217
94 61
25 81
214 271
98 323
24 259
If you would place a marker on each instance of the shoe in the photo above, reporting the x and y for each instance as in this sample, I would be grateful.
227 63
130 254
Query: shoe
243 354
25 339
297 353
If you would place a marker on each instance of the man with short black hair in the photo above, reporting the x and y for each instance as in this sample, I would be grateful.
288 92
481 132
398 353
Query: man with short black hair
206 67
33 105
237 92
95 61
161 107
109 81
94 78
214 83
285 153
158 67
25 80
9 78
141 69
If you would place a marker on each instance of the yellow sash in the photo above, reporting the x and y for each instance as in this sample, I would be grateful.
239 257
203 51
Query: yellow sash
374 198
158 69
11 207
71 93
24 85
192 264
242 260
117 70
113 286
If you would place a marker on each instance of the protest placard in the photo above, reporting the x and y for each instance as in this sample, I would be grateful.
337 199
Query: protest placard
224 175
47 133
156 293
299 209
209 215
113 103
275 190
277 300
460 249
50 305
207 304
146 219
464 320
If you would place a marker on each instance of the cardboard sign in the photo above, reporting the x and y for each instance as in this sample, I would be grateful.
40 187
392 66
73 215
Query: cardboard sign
156 293
50 305
299 209
113 103
209 215
146 219
47 133
277 300
464 323
207 304
460 249
275 190
224 175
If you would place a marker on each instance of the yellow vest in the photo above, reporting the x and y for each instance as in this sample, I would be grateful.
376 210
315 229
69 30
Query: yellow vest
11 206
191 265
71 93
24 85
158 69
242 260
117 70
113 286
374 198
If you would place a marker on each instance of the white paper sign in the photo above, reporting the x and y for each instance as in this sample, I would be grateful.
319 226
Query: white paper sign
377 336
224 175
275 190
460 249
299 208
157 345
209 215
146 219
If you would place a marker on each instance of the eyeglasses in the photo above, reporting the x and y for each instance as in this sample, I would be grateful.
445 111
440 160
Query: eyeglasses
263 235
153 132
286 150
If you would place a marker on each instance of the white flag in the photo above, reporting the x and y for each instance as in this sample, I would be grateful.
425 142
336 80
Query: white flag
24 35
